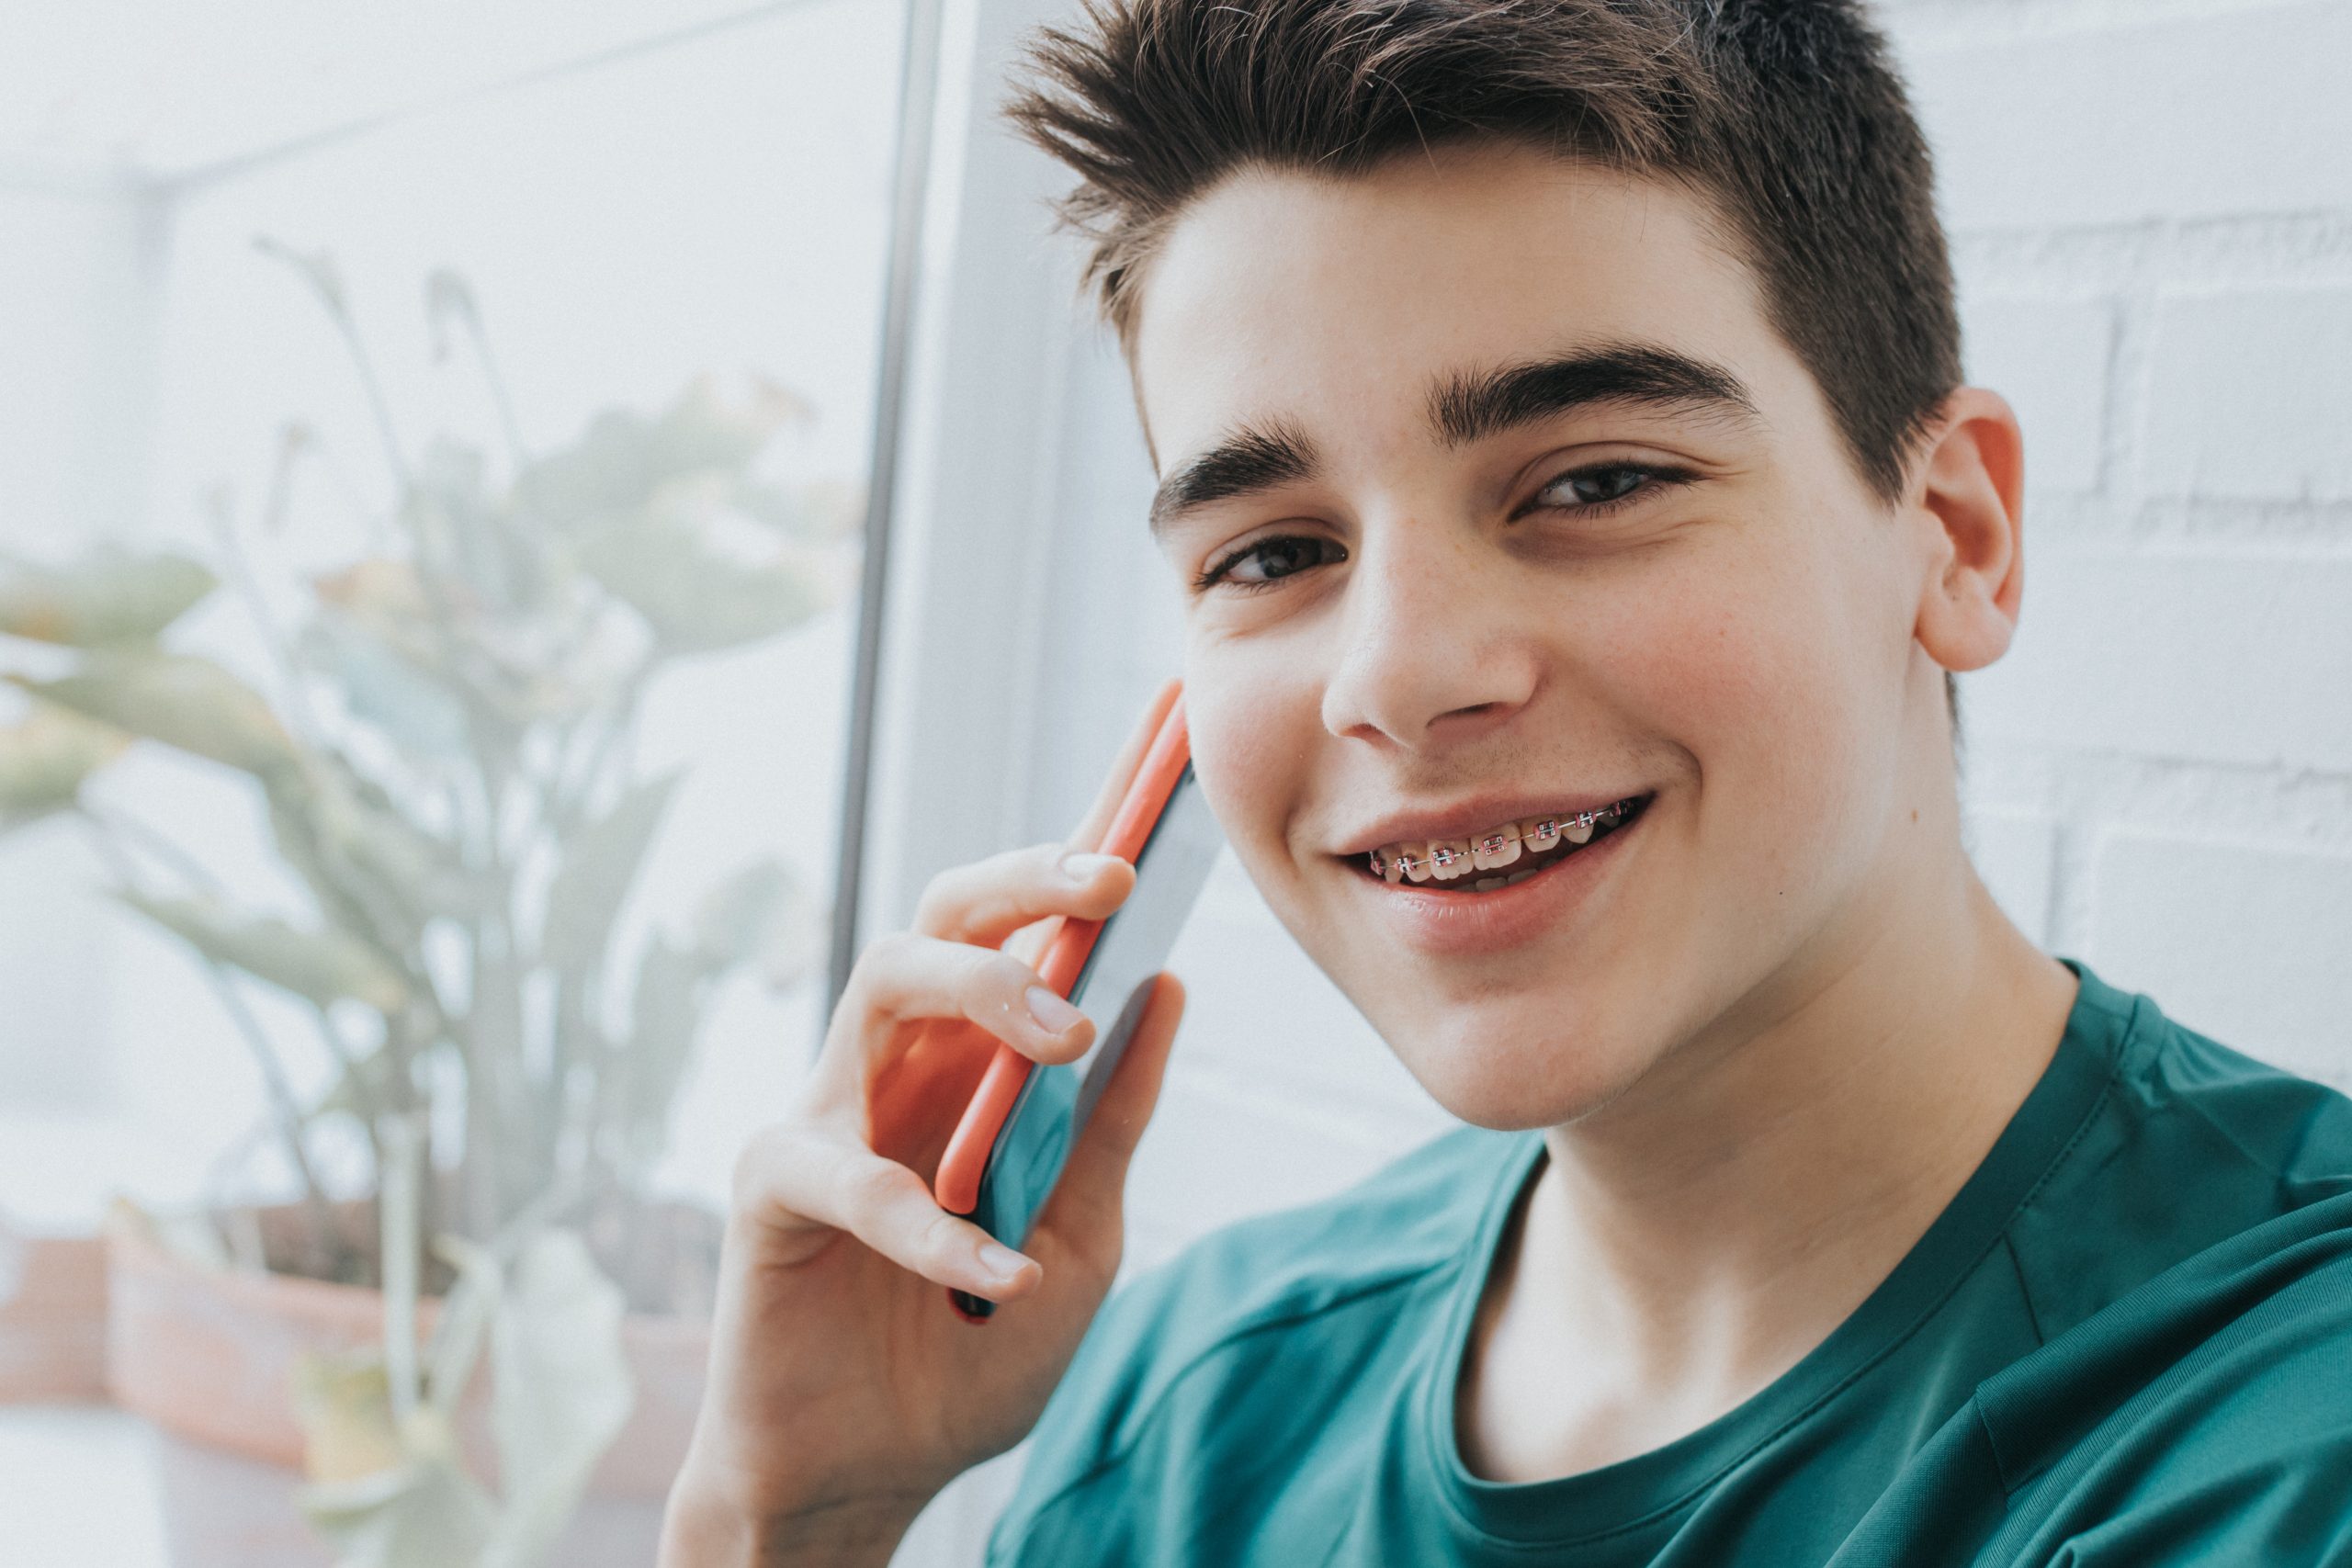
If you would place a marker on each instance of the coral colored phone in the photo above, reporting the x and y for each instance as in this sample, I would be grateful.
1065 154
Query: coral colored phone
1025 1117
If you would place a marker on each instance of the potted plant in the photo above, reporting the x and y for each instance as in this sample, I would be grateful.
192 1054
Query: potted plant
498 1311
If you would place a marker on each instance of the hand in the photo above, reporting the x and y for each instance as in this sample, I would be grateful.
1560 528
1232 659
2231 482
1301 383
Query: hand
844 1390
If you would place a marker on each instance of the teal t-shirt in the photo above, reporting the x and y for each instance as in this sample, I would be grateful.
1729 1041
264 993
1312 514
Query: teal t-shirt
2128 1340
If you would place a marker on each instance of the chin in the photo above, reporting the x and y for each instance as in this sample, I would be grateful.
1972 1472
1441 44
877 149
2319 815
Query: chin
1514 1074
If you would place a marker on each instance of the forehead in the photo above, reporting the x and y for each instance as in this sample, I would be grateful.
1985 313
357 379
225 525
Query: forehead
1336 302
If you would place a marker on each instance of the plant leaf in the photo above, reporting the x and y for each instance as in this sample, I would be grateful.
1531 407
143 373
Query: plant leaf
560 1390
317 268
694 598
819 510
45 757
343 1403
323 965
183 701
736 914
623 457
466 1315
665 1014
600 865
416 712
386 1493
110 595
421 1515
761 913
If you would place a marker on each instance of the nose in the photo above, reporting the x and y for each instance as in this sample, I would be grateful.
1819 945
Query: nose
1431 649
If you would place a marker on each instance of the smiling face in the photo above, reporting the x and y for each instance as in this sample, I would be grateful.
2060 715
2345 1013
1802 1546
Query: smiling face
1495 498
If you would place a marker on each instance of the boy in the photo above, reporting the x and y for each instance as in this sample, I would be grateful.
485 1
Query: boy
1579 518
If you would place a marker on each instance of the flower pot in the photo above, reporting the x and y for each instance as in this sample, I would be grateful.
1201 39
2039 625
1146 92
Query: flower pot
208 1356
52 1318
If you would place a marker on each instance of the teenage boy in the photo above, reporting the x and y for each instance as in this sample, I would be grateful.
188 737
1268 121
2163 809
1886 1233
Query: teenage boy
1564 465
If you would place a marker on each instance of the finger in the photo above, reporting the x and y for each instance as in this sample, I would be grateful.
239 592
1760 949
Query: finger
987 901
808 1178
1097 821
1087 1200
905 977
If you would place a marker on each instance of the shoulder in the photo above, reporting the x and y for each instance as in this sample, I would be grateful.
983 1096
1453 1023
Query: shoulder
1224 1321
2190 1145
2208 1418
2240 1109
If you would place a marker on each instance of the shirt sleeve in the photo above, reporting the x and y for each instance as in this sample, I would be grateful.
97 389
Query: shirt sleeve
2237 1451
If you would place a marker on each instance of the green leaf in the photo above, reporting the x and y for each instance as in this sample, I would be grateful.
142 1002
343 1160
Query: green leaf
45 757
449 303
344 1404
371 1084
463 533
317 268
819 510
665 1014
694 598
600 865
327 831
323 965
416 712
736 914
181 700
623 457
419 1515
561 1391
362 833
466 1313
420 1511
761 913
108 596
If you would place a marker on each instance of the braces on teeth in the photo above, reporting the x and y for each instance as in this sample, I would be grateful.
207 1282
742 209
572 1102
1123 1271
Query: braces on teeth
1536 833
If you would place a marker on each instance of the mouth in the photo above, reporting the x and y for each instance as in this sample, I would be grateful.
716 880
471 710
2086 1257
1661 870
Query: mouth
1503 855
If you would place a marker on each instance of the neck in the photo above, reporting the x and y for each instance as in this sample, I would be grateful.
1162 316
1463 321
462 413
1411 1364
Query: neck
1698 1236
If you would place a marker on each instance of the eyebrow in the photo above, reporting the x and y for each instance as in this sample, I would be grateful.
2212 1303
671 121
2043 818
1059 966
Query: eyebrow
1254 459
1472 406
1462 408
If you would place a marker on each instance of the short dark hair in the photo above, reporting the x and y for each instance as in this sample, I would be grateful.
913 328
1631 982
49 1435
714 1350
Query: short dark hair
1786 113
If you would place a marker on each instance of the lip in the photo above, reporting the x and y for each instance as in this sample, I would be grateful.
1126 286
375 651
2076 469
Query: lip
1460 924
1467 818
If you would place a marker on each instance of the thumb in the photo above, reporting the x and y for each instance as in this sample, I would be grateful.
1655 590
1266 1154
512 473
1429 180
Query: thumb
1085 1202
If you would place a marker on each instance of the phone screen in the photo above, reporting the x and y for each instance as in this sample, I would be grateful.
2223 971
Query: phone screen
1112 991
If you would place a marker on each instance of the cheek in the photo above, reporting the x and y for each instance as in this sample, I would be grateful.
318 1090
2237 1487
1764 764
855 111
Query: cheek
1252 722
1765 680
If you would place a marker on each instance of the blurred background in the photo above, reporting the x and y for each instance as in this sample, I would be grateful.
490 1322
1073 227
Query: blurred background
300 303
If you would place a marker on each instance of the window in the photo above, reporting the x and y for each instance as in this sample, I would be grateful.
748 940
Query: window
530 217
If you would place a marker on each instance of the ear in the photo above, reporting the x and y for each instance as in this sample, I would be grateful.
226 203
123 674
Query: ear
1967 500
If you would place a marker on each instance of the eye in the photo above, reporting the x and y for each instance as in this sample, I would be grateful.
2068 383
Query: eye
1263 562
1604 484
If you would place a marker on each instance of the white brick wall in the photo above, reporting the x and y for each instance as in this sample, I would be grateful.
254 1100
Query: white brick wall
2249 395
2151 207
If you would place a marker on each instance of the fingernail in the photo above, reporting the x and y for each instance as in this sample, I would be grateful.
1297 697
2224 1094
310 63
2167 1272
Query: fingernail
999 1262
1082 867
1053 1015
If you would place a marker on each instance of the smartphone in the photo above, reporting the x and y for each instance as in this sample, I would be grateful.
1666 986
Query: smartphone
1025 1117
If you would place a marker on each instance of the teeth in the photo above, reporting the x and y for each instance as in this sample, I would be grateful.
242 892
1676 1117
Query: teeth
1496 849
1449 859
